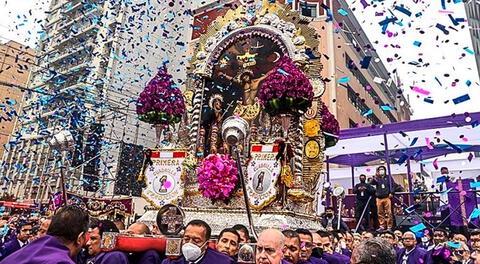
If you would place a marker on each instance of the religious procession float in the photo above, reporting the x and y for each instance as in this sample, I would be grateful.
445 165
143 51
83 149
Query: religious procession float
245 140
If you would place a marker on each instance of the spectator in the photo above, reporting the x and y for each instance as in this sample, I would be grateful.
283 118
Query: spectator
65 238
364 193
330 221
23 235
243 232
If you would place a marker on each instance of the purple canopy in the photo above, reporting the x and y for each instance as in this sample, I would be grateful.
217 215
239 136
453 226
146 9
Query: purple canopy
414 140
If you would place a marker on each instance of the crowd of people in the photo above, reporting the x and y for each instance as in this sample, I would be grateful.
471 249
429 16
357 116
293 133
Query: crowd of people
71 236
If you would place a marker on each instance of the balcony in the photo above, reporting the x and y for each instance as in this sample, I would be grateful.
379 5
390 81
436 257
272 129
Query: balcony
56 56
78 17
63 39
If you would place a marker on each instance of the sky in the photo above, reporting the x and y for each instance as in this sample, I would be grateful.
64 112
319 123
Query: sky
442 70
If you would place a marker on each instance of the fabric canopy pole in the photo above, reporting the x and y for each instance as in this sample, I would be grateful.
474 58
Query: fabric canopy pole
387 157
328 180
353 177
409 177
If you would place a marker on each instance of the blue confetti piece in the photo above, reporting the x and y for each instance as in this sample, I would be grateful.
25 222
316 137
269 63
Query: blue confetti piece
365 62
453 245
283 72
344 80
418 227
474 214
368 112
428 100
474 184
468 83
419 14
443 4
402 159
441 179
342 12
417 43
461 99
403 10
387 108
469 51
442 28
414 141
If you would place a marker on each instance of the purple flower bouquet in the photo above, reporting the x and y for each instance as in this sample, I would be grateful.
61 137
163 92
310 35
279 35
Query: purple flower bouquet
161 102
286 89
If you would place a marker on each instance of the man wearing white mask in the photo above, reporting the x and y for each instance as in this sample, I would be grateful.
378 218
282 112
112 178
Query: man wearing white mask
195 249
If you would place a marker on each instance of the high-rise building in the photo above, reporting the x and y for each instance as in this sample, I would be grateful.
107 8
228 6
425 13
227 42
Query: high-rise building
473 17
15 63
94 58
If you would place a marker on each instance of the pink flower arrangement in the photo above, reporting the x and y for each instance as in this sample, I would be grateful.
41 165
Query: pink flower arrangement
329 122
161 102
217 177
286 89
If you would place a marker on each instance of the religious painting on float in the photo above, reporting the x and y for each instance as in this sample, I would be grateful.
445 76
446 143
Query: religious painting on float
164 178
263 171
237 76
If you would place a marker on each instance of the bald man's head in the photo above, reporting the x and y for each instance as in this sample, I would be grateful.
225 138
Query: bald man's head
138 229
270 247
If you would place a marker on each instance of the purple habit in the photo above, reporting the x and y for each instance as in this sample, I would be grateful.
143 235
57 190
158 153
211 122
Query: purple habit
114 257
461 213
148 257
10 247
211 256
314 260
336 258
414 256
45 250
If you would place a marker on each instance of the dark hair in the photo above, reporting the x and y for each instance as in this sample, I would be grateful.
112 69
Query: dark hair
362 175
324 234
329 208
244 229
375 251
105 226
382 167
208 230
68 223
474 232
290 234
304 231
21 224
443 168
444 231
230 230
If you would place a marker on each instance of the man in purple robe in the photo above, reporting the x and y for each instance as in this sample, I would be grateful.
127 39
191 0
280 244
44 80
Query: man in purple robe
324 241
23 234
94 245
195 246
411 253
64 240
270 247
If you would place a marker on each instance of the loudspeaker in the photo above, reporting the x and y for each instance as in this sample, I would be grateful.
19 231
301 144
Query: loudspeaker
129 166
93 147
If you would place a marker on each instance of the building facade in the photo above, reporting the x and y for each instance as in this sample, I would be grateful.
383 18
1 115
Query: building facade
15 63
96 56
473 15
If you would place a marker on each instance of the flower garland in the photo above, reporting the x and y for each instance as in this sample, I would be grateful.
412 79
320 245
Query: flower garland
329 122
286 89
161 102
217 177
330 126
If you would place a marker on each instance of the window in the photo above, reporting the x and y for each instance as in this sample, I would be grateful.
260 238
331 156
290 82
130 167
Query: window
309 9
351 123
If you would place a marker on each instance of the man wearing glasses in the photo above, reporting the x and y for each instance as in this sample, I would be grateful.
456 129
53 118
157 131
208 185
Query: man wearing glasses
411 254
195 248
24 232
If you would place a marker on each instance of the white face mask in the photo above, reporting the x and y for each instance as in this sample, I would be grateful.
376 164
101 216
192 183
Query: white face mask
191 252
424 239
343 245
